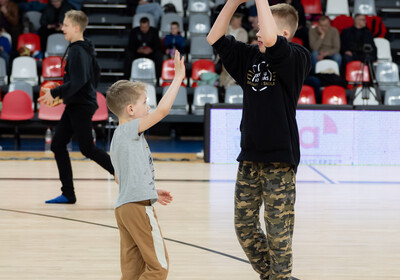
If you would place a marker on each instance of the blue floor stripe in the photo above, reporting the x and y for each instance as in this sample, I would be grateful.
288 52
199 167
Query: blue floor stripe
321 174
370 182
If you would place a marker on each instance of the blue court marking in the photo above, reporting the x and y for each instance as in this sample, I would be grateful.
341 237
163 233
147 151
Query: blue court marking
321 174
370 182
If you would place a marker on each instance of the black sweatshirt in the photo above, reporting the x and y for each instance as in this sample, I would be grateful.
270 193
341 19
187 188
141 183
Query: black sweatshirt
271 83
79 80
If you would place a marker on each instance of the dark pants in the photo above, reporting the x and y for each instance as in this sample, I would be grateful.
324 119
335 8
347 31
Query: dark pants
76 120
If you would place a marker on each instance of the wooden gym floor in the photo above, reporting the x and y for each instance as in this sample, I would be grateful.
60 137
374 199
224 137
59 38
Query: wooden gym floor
347 221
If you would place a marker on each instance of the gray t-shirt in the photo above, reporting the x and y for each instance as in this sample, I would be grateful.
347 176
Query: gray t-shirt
133 164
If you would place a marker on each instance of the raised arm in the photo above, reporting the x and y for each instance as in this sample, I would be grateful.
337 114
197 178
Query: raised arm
166 102
266 22
221 24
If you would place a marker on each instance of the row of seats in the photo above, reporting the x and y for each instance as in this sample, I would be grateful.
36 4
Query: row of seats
24 69
17 106
336 95
340 7
56 44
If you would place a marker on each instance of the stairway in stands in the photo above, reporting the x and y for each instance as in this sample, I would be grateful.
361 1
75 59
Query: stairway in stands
108 29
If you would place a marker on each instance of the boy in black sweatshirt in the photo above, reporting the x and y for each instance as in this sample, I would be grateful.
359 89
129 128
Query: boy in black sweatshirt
271 75
79 95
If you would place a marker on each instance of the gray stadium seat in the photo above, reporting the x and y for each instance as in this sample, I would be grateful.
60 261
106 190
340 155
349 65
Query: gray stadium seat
24 69
387 75
200 49
392 96
203 94
56 45
34 18
3 72
364 7
20 85
144 70
199 25
234 95
180 106
199 7
151 96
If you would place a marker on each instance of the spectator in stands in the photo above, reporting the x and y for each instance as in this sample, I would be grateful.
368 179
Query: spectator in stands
52 19
144 42
5 50
241 9
148 6
9 20
236 30
174 41
357 42
324 42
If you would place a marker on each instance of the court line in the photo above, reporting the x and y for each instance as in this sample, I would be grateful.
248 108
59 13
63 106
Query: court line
114 227
321 174
157 180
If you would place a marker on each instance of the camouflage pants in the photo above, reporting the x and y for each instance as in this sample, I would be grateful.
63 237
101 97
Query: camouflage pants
270 254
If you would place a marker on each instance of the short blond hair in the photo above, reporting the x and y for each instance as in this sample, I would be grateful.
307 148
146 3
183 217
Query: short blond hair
288 17
123 93
78 18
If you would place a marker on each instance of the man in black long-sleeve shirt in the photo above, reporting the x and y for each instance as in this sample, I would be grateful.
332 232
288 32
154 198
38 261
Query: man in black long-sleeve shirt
353 40
144 42
79 95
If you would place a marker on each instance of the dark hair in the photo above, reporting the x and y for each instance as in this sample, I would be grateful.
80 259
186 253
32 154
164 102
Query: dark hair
144 20
175 23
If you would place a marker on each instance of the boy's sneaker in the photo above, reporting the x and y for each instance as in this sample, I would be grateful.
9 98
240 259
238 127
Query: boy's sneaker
61 199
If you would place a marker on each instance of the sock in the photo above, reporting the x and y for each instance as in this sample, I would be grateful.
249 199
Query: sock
61 199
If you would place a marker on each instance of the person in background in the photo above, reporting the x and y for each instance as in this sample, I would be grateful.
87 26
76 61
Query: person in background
144 42
9 20
324 42
174 41
52 20
357 42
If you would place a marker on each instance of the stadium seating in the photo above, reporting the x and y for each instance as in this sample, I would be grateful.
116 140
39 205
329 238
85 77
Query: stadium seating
327 65
203 94
383 48
30 41
101 113
24 69
144 70
198 67
392 96
337 8
180 106
334 95
307 95
17 106
56 45
234 95
364 7
3 72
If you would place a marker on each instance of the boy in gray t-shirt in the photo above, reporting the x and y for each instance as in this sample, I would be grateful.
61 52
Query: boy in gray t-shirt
143 253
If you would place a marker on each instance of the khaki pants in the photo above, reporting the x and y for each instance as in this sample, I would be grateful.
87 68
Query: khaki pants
143 252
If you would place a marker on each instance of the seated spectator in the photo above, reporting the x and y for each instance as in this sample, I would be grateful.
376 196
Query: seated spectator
5 49
52 19
236 30
357 42
174 41
9 19
324 42
144 42
148 6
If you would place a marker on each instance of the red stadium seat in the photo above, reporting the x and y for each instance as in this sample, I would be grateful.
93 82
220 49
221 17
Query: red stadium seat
101 113
201 66
51 113
342 22
334 95
168 73
52 68
312 7
307 95
297 41
29 40
354 70
17 106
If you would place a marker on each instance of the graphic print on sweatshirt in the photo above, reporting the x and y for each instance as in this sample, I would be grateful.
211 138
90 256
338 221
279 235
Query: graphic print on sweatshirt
260 77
